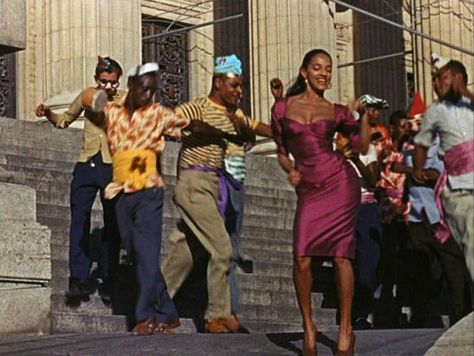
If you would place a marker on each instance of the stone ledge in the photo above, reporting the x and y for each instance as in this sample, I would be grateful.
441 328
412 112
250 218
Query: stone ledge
24 309
17 202
457 340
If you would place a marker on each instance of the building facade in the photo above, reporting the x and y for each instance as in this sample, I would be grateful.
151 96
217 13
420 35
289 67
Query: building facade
63 39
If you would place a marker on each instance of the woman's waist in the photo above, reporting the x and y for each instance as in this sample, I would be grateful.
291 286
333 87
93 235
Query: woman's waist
319 159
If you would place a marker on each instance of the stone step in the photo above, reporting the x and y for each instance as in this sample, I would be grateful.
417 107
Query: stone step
272 327
13 154
21 128
12 160
42 179
251 235
277 328
273 314
270 299
285 299
265 283
272 268
40 151
258 243
272 233
63 322
53 187
94 306
266 255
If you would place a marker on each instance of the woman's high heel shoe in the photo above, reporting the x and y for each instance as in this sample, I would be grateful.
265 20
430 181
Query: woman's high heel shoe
350 349
309 350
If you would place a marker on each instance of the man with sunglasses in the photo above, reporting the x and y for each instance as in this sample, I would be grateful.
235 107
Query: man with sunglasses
92 173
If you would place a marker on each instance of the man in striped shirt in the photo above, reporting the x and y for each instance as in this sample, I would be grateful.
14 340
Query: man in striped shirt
201 193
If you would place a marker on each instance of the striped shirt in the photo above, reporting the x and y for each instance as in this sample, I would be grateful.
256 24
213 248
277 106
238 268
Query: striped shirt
203 150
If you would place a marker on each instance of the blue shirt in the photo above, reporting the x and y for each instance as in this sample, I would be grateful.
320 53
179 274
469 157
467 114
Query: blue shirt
422 197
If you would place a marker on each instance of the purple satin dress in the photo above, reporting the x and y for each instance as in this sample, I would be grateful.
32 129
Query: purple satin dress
329 194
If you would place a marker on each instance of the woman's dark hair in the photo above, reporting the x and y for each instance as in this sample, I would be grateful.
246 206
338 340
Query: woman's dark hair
299 84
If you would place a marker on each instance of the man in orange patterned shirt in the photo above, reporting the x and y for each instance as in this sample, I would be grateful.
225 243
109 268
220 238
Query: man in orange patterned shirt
136 130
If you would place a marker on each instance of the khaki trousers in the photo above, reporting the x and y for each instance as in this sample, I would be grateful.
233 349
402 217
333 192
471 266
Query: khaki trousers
196 197
458 207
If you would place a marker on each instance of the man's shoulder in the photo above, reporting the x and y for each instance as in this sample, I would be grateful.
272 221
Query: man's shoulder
195 102
435 109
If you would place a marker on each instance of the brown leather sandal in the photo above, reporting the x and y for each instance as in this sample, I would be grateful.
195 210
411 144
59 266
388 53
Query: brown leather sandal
167 328
144 327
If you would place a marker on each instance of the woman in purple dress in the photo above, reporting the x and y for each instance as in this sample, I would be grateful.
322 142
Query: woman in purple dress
328 189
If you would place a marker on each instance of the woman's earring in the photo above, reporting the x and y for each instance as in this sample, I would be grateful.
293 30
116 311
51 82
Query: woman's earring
306 81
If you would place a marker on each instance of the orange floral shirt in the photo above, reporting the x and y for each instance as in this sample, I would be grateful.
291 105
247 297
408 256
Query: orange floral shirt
146 129
391 184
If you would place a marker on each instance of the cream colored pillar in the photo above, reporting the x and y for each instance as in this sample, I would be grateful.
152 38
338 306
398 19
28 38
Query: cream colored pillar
345 55
68 36
454 26
281 32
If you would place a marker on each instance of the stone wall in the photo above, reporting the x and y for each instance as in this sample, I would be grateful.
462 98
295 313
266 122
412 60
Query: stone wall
25 264
12 25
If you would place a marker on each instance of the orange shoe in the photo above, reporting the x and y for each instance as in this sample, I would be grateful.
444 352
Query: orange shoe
215 326
232 323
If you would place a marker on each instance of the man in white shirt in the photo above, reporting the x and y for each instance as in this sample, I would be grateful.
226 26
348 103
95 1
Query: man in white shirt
452 118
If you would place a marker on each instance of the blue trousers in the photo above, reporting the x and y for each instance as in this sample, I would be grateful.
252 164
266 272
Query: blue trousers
89 178
367 257
234 218
140 221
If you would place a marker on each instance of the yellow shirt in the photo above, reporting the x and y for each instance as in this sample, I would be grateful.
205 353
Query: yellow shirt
95 139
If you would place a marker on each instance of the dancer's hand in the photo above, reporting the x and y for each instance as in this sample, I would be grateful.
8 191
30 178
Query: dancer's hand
294 177
356 106
419 176
42 110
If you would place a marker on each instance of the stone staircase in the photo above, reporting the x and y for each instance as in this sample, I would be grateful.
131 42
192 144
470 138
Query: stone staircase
42 157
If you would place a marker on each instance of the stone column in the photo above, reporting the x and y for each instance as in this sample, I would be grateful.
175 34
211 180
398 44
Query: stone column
64 39
345 55
281 32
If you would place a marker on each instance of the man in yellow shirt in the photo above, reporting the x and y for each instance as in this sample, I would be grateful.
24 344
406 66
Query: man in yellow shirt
92 173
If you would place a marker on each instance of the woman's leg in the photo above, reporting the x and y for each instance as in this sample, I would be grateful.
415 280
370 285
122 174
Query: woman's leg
303 280
345 286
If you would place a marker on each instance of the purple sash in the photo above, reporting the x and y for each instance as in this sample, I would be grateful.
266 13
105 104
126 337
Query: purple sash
224 177
457 160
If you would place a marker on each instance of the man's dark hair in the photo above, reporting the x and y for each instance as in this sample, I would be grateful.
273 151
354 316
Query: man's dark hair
108 65
457 67
396 116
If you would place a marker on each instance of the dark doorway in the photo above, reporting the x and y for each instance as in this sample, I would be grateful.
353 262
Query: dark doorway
233 37
169 52
7 86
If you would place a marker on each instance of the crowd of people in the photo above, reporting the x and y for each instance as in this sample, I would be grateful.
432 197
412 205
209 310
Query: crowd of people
392 208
